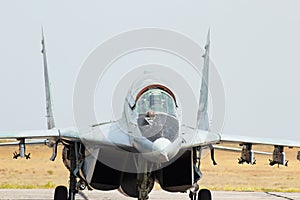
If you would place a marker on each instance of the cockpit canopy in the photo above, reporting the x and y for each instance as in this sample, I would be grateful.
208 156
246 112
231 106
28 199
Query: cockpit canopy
156 100
144 84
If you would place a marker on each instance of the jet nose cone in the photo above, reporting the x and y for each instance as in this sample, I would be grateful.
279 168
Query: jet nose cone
160 144
160 151
166 149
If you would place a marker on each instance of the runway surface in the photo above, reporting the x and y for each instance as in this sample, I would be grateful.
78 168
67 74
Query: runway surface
47 194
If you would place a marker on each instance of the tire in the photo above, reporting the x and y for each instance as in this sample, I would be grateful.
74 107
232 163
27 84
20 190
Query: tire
61 193
204 194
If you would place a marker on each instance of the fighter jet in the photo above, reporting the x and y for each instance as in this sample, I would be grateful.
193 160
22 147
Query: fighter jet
148 144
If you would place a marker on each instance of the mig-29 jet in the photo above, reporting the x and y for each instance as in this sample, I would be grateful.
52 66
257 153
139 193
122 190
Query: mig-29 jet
149 143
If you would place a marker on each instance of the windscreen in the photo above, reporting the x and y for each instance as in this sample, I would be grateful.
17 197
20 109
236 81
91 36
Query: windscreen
156 100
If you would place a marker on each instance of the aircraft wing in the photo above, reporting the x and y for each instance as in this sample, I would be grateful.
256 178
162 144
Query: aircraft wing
256 140
108 134
104 135
233 149
247 154
30 141
29 134
193 137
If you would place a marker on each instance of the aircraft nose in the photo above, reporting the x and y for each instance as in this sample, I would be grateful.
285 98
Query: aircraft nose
160 144
167 149
161 150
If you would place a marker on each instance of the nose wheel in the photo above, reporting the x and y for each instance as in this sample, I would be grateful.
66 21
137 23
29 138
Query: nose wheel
61 193
203 194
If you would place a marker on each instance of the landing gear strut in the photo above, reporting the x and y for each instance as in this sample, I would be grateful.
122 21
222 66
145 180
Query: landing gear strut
193 192
61 192
145 185
73 181
203 194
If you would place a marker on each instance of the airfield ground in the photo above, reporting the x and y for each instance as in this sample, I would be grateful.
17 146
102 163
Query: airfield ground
39 172
47 194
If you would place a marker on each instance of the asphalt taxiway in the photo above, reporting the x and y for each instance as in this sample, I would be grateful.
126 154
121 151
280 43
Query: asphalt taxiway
47 194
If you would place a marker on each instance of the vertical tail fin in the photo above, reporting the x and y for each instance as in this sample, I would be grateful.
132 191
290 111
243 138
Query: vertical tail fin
202 116
50 119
